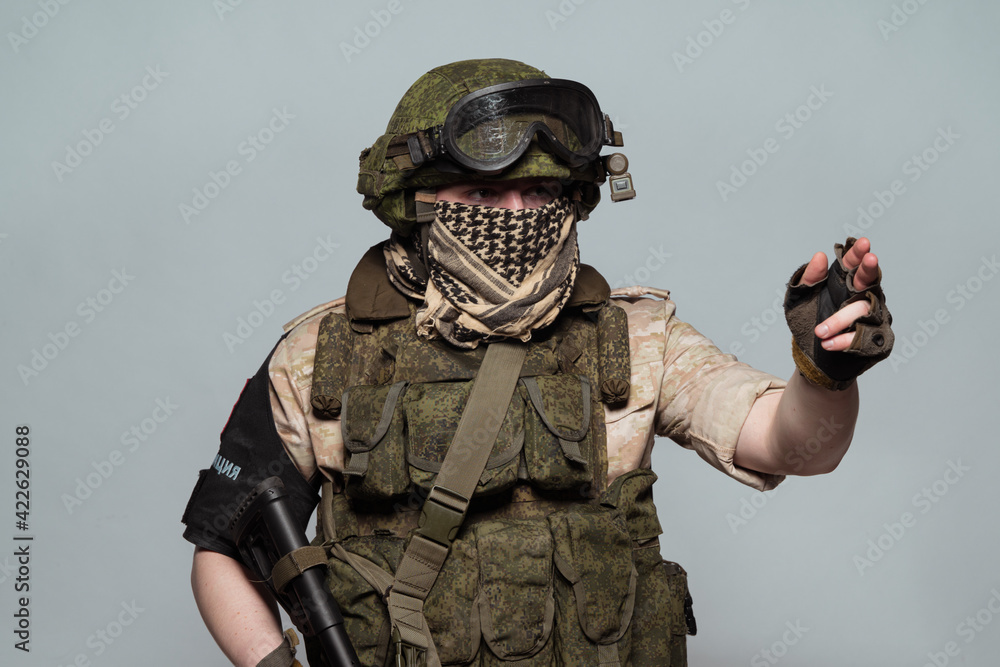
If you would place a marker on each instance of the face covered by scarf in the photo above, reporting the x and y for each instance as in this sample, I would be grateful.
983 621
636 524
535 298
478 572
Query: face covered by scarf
485 271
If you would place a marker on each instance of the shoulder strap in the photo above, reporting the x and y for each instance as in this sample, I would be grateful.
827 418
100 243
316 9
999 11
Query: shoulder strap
446 505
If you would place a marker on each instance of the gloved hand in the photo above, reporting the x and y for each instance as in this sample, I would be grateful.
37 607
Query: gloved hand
840 324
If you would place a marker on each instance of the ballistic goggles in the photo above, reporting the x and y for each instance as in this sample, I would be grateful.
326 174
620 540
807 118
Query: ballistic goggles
488 130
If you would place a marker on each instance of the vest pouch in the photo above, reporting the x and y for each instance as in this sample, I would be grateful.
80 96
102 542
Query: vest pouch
595 587
516 603
372 426
358 588
662 612
451 606
558 444
433 410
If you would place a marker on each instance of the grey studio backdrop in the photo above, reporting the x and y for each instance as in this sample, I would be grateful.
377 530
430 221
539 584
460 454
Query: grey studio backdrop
178 181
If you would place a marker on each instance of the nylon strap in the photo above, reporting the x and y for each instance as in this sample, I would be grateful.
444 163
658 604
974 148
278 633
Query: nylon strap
284 655
607 655
424 203
294 563
446 505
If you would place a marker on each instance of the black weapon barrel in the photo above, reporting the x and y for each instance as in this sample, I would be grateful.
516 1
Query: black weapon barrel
316 612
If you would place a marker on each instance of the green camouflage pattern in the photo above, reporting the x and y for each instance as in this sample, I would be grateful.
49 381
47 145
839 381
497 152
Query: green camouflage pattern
560 432
615 369
559 421
659 629
633 495
451 607
554 581
388 190
366 619
376 468
594 554
422 360
333 354
433 411
515 582
543 591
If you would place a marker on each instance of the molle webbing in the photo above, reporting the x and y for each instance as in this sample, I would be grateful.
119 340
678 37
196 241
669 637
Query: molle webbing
617 601
342 518
445 508
337 356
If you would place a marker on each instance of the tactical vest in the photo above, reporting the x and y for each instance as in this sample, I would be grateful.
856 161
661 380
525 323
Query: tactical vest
551 566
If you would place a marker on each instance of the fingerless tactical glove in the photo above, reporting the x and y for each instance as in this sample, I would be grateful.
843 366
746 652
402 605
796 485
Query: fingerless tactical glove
808 305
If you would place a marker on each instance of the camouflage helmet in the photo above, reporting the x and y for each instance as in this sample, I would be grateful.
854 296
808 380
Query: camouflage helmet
389 179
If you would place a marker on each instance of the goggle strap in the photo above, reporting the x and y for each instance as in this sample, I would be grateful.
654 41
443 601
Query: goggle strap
424 145
399 152
409 151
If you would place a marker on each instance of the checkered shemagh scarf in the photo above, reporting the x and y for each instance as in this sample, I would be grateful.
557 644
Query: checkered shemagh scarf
492 271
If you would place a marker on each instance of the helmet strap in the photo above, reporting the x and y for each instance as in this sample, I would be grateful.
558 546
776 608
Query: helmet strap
423 201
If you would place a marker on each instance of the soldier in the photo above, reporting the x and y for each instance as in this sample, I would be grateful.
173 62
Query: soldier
528 533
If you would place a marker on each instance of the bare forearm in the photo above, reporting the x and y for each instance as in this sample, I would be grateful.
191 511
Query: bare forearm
804 430
241 616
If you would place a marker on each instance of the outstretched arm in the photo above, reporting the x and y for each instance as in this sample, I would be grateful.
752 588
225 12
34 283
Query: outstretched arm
806 429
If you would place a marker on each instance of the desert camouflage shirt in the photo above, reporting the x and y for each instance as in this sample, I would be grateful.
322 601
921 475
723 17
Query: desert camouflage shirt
683 387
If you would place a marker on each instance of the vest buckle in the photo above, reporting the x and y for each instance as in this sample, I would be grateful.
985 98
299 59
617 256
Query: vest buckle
442 515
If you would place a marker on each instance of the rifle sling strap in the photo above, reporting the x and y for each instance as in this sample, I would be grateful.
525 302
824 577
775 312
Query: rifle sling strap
296 562
446 505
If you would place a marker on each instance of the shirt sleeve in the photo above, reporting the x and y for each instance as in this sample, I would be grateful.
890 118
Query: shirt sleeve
705 397
315 445
250 451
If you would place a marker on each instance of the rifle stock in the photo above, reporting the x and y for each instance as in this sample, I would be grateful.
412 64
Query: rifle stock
264 532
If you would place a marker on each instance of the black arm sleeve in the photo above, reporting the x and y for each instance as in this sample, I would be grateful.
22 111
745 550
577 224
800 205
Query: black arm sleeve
250 452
